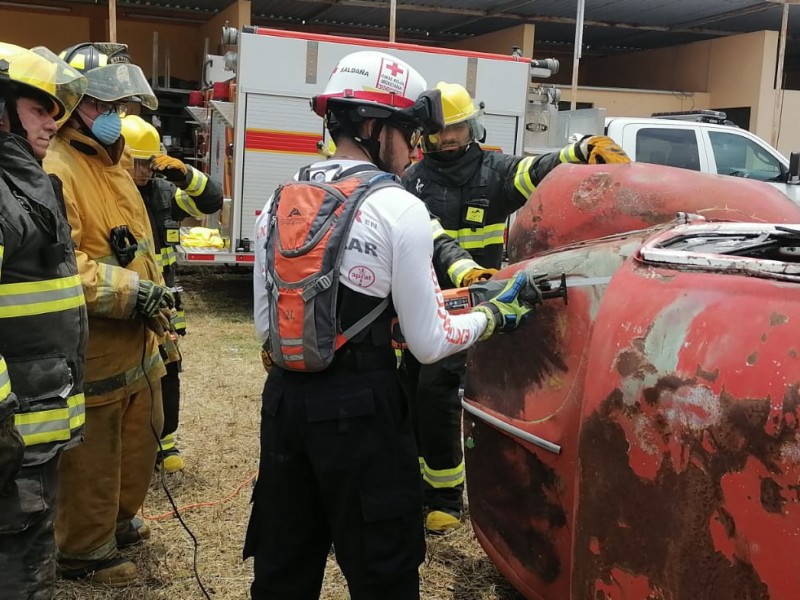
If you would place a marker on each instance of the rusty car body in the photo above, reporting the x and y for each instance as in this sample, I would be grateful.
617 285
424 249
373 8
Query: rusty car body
643 440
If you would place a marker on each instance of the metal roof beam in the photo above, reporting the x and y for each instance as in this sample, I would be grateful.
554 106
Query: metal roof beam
381 4
515 4
748 10
321 11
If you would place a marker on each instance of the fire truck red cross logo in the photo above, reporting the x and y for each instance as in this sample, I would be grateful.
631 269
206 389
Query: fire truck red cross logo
394 68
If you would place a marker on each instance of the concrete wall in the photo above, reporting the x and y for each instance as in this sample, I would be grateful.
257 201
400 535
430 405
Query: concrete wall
501 42
637 103
733 71
54 30
789 137
183 43
81 23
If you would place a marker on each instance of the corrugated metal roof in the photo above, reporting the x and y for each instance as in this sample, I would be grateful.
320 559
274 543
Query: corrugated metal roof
611 25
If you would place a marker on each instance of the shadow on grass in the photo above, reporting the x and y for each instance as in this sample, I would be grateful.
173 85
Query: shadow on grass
475 574
228 293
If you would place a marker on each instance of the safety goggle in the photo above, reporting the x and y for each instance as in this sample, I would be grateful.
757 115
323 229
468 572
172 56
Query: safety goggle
106 108
412 135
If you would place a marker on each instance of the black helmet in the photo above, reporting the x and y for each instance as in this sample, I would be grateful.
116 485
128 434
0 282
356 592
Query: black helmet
111 74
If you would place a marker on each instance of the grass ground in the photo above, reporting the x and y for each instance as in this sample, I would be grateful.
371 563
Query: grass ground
221 388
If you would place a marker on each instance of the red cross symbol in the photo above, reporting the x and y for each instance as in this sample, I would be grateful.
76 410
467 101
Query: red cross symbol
394 68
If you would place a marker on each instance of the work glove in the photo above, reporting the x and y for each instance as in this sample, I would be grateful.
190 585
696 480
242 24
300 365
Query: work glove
12 449
475 275
179 328
152 298
511 307
600 150
160 323
171 168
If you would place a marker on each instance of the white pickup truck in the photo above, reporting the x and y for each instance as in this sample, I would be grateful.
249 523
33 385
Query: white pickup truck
705 141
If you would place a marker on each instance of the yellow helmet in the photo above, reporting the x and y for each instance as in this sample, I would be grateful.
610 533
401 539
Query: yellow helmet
111 73
40 72
457 104
141 137
457 107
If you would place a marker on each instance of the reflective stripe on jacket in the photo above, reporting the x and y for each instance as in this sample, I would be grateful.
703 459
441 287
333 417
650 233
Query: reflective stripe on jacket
43 320
100 195
473 196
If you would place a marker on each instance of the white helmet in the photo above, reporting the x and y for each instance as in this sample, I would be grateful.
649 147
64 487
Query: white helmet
371 77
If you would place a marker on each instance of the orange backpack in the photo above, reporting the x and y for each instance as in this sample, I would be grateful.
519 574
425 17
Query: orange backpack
308 226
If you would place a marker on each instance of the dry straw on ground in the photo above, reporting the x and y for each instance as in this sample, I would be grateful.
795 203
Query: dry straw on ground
221 388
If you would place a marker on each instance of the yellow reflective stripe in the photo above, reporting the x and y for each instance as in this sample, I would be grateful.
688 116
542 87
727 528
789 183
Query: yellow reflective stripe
436 228
522 179
160 263
5 382
2 251
569 155
109 279
458 269
478 237
54 425
168 442
168 256
40 297
444 478
198 182
421 465
178 320
186 203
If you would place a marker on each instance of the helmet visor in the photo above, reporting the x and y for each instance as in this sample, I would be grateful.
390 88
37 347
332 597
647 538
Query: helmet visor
43 71
120 81
456 135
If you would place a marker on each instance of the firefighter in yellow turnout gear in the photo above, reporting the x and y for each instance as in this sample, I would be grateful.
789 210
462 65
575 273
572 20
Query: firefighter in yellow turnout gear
104 481
172 191
43 326
472 192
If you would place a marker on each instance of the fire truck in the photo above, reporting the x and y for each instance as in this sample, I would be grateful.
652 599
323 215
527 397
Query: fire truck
267 131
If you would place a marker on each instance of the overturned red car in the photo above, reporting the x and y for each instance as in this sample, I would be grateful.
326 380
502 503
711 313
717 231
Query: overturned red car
642 441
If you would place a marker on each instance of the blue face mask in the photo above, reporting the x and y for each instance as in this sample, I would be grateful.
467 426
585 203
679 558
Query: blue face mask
107 128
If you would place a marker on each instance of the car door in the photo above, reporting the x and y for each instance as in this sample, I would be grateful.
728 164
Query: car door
670 144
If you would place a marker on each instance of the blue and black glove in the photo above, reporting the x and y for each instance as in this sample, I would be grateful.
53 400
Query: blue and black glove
512 306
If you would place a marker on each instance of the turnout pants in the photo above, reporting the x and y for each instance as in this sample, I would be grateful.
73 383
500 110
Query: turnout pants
27 545
338 465
436 407
105 479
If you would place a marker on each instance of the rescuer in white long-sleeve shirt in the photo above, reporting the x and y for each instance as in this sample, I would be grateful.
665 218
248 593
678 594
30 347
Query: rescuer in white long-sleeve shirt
389 249
338 459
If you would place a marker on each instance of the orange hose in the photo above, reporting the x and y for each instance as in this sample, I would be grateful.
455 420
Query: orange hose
182 509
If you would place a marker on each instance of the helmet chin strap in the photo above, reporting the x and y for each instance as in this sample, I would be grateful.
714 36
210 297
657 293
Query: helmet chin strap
372 146
9 107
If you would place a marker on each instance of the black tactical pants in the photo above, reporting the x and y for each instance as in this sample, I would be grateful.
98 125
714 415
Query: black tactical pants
27 542
338 465
171 394
436 409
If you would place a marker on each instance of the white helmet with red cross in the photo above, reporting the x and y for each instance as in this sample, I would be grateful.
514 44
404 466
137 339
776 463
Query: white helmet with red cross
371 79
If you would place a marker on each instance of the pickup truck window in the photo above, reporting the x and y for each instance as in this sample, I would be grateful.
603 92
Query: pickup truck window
671 147
742 157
